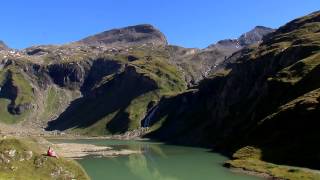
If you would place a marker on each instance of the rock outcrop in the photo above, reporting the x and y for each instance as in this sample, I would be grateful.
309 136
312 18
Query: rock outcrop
254 36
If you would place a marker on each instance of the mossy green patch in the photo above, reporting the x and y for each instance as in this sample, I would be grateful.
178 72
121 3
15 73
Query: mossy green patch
7 117
249 158
25 90
299 70
15 90
23 159
54 96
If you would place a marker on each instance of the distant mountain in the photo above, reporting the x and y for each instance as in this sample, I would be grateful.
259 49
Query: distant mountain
199 63
254 36
128 36
3 46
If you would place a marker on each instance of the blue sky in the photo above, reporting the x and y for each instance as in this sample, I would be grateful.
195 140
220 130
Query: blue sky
189 23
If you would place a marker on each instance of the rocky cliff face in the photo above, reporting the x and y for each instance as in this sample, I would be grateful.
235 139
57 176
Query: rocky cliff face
266 97
254 36
130 36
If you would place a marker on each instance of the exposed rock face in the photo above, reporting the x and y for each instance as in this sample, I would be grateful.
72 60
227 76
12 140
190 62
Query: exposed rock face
70 75
129 36
254 36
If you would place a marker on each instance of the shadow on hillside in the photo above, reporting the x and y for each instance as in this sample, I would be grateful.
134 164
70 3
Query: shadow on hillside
106 103
291 137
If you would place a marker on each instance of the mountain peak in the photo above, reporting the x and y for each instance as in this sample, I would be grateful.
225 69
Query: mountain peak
251 37
262 27
255 35
128 36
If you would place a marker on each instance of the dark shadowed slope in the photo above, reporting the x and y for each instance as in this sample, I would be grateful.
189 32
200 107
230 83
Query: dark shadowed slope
268 98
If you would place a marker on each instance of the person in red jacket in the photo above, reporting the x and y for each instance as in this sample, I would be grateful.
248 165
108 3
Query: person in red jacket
51 153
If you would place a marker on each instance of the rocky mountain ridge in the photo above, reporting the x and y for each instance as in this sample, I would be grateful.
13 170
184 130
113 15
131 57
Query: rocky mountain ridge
198 63
68 78
143 34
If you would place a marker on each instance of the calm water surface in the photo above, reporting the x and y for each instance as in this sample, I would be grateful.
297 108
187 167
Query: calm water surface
157 162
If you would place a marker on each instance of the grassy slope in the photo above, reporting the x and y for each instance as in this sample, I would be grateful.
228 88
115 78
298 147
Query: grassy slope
250 159
118 102
289 143
268 99
54 102
167 78
24 94
7 117
287 136
25 167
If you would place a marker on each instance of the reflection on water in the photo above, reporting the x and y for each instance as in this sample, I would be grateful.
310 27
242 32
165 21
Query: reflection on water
157 162
138 165
144 165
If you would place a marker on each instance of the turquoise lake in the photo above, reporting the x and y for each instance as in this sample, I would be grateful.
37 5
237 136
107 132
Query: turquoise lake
157 161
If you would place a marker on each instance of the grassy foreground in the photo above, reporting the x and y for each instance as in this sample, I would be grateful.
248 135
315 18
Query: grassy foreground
249 159
24 159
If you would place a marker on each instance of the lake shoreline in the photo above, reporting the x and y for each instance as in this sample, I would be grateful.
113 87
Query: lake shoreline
253 173
240 170
108 152
163 154
76 150
245 169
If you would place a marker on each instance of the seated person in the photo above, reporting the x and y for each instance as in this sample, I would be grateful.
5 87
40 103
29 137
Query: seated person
51 153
